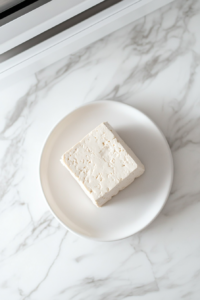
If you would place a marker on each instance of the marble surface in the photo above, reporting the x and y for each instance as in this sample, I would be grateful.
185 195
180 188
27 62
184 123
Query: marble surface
154 65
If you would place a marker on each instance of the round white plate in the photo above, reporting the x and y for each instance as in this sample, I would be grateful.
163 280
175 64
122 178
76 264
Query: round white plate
134 207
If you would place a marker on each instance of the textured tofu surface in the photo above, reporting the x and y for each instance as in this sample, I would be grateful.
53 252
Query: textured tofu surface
102 164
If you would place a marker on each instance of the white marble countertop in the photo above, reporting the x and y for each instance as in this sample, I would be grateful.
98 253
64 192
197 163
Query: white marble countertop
154 65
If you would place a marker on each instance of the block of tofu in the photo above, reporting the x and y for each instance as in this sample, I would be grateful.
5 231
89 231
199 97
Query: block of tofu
102 164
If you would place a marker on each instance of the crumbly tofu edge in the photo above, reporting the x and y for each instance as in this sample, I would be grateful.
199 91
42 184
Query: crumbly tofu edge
121 185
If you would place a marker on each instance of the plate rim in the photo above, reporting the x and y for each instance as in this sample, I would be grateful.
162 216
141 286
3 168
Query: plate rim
40 163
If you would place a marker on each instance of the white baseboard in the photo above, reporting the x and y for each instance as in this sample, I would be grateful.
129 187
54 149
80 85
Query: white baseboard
75 38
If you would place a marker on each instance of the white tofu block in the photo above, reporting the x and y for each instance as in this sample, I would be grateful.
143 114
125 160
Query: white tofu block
102 164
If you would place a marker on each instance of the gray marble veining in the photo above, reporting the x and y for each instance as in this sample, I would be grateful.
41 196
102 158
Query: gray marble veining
154 65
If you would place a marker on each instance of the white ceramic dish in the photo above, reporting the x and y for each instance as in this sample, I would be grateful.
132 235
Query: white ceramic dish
133 208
